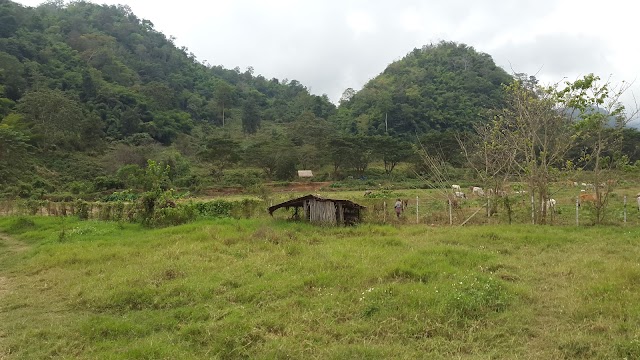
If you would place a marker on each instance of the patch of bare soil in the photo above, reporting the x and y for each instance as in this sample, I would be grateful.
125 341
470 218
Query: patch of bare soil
291 187
12 247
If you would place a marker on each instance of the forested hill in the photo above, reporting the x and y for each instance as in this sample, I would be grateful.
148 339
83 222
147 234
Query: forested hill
99 74
447 86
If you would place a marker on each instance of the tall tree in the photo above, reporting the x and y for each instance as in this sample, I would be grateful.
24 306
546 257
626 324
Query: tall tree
601 119
250 116
225 96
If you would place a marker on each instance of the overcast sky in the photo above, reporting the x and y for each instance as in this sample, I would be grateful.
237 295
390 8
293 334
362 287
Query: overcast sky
331 45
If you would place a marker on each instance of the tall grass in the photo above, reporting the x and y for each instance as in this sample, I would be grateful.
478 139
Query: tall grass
261 288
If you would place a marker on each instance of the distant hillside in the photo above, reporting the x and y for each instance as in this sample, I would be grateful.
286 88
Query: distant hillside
127 78
441 87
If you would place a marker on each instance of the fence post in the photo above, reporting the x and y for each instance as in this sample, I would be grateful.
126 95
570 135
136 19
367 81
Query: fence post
450 214
577 210
384 212
417 213
625 209
488 207
533 211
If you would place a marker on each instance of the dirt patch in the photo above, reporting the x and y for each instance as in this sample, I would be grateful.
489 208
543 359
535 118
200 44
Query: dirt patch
13 247
290 187
12 244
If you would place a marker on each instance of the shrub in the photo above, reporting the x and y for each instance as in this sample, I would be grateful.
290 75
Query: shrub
216 208
125 195
102 183
80 187
245 178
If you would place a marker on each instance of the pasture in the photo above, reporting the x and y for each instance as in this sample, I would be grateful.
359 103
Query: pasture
267 288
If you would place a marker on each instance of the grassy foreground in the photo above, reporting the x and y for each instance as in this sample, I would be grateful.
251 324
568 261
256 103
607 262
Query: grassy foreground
265 289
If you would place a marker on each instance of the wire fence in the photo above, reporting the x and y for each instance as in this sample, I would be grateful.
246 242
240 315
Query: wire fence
621 209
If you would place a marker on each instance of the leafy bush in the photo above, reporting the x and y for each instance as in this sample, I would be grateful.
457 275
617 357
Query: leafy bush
171 216
244 178
216 208
125 195
102 183
80 187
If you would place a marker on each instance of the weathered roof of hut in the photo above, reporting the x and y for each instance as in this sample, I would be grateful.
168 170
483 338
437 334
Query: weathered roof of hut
299 202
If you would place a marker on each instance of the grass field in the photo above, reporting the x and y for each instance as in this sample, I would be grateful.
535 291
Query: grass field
264 289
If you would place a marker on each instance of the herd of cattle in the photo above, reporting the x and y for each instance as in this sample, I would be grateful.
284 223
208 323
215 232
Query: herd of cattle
550 204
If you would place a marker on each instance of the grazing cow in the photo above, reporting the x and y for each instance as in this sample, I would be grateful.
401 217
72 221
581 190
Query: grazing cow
587 198
368 193
638 200
460 194
477 191
551 205
455 187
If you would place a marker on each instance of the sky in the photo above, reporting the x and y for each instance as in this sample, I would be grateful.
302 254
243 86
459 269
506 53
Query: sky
331 45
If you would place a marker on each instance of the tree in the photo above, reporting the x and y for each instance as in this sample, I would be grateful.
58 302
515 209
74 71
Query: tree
54 118
14 154
391 151
222 153
250 116
224 95
600 121
274 156
528 138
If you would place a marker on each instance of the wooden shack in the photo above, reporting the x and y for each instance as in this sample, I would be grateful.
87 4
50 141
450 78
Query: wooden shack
323 211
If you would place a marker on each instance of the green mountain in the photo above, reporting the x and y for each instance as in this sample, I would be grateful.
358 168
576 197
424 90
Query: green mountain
440 88
82 80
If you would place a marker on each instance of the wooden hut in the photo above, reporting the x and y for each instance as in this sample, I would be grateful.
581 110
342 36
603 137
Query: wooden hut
323 211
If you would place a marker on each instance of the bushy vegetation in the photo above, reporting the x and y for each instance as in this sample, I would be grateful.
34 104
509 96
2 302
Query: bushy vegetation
230 288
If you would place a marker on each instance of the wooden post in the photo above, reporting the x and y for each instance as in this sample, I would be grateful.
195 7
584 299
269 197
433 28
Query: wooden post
384 212
578 211
450 213
625 209
417 212
533 210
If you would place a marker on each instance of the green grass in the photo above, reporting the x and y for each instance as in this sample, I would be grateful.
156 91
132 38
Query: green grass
265 289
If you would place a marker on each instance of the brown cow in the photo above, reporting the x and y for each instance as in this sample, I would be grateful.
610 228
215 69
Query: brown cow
587 198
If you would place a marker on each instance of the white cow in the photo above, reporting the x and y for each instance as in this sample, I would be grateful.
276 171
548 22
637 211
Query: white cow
455 187
551 205
461 195
638 199
477 191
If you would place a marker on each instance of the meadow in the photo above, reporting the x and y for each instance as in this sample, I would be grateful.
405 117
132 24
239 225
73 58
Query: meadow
268 288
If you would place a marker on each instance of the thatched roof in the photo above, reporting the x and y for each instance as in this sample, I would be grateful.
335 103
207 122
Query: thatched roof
299 202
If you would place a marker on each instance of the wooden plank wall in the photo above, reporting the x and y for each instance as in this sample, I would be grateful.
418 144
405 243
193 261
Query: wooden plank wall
322 212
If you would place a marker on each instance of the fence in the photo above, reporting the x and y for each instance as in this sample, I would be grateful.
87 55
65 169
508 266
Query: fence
126 211
621 210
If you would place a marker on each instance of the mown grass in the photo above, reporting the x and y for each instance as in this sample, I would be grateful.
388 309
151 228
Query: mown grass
264 289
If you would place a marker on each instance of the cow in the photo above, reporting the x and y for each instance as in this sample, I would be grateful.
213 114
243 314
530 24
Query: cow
551 205
455 187
460 194
477 191
638 200
587 198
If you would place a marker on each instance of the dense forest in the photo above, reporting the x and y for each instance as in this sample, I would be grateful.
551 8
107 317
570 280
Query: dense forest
91 95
